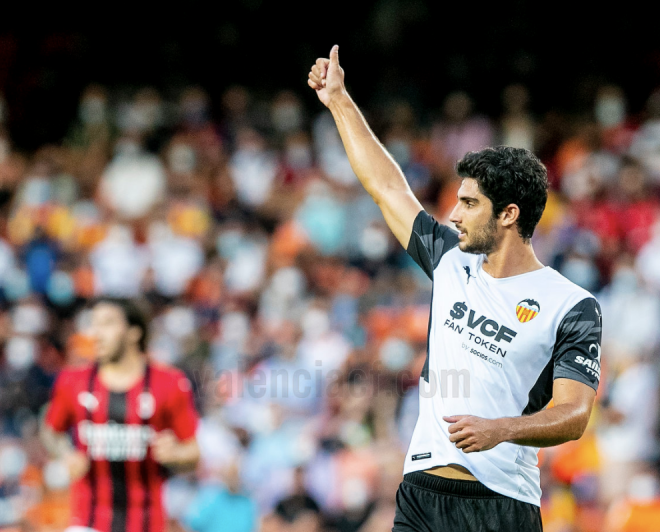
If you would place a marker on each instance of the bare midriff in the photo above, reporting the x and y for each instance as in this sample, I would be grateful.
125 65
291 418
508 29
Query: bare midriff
453 471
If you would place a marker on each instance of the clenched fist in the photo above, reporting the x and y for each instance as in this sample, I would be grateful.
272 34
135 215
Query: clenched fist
169 451
327 77
165 447
78 465
474 434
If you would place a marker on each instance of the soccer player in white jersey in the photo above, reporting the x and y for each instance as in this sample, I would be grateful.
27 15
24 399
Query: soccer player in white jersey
506 334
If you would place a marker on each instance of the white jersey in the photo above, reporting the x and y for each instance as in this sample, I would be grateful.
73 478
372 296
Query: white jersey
494 348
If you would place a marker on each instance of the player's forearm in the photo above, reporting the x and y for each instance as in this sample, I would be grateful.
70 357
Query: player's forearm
57 445
549 427
184 457
372 164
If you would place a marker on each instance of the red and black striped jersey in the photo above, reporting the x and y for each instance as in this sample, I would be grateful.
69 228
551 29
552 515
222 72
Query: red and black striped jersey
122 490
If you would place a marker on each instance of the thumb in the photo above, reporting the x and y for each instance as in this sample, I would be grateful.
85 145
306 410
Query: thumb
452 419
334 56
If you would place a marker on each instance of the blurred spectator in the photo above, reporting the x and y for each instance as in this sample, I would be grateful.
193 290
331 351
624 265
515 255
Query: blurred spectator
175 259
7 261
299 507
646 143
13 496
628 438
287 113
610 110
330 153
134 181
459 131
517 124
119 264
584 167
628 334
648 260
222 507
253 168
52 512
639 509
92 126
40 256
323 218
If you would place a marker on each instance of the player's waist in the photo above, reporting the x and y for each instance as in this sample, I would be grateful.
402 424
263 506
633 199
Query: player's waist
451 471
450 486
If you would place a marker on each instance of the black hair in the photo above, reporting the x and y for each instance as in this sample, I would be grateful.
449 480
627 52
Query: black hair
508 175
133 314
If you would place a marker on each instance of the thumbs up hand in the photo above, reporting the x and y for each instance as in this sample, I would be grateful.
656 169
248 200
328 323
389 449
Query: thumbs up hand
327 77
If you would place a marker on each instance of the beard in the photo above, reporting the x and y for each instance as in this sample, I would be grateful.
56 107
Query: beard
482 240
116 355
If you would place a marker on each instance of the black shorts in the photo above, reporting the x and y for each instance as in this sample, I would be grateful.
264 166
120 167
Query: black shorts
427 503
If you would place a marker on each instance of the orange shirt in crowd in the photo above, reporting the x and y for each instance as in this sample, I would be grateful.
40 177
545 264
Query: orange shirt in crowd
630 516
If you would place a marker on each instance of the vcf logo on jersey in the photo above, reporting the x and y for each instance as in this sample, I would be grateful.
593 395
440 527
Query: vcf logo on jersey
527 310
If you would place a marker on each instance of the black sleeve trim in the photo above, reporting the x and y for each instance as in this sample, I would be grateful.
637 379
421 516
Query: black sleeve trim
541 393
429 241
577 349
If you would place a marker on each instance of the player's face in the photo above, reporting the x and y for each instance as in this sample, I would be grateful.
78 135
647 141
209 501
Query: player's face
110 332
473 217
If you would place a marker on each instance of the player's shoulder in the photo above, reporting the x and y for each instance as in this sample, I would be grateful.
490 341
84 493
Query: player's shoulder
430 230
169 376
556 281
569 295
75 374
71 380
160 370
456 256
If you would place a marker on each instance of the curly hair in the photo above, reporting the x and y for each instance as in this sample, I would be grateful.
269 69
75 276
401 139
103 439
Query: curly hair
508 175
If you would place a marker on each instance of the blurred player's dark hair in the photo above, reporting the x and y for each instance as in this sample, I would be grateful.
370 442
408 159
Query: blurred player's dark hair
508 175
134 314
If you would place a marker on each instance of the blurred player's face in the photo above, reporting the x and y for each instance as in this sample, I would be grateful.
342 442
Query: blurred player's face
473 217
110 331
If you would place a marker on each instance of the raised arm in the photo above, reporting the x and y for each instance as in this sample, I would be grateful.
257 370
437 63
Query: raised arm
380 175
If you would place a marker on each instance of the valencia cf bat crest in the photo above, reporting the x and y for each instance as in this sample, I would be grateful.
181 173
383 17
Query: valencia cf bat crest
527 310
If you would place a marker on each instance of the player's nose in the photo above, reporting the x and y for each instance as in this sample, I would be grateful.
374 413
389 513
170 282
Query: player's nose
454 216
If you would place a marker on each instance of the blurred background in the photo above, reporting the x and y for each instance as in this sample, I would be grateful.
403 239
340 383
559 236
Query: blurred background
181 159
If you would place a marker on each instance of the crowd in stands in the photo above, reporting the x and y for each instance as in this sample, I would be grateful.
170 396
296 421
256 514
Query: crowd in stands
274 283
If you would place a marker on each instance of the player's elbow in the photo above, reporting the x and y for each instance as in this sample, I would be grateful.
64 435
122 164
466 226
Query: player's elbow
51 440
193 456
196 455
578 425
378 194
575 434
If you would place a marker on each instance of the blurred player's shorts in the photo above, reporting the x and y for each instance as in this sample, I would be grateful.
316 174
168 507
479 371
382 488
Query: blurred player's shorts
80 529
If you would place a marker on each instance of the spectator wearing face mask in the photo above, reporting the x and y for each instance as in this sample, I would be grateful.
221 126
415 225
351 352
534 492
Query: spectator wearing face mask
223 506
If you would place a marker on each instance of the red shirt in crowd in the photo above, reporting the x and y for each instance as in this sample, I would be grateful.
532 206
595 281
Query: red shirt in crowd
122 489
628 223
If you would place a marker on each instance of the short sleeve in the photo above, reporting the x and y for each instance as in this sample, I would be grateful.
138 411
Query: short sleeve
577 348
59 415
183 414
429 241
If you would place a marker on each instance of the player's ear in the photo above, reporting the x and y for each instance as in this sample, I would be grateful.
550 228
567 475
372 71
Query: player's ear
134 335
509 215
